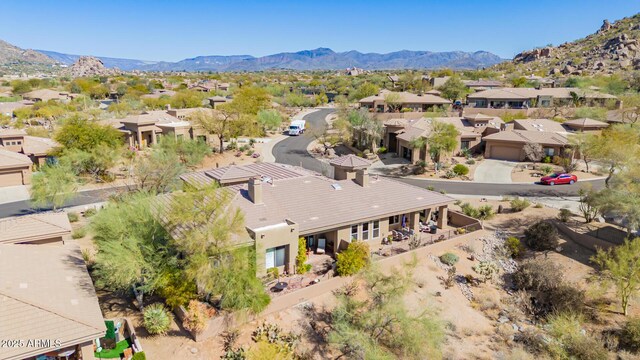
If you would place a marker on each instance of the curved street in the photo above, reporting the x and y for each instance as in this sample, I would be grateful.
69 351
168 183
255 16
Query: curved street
293 151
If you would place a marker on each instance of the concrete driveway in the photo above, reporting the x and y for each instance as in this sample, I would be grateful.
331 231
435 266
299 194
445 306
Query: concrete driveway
494 171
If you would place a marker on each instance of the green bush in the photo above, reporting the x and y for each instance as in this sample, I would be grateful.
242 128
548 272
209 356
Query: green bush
157 319
139 356
564 215
572 342
484 212
354 259
470 162
449 258
519 204
460 170
630 335
79 233
547 160
546 169
541 236
514 246
73 217
90 212
301 266
382 150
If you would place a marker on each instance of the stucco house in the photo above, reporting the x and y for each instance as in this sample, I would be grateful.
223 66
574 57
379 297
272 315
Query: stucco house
400 133
406 100
15 168
509 145
36 148
282 203
48 94
48 302
522 98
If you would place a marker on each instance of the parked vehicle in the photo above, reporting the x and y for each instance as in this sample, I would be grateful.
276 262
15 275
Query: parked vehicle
558 178
297 127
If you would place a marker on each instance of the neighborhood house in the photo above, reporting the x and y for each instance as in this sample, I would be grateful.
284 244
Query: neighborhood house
403 100
520 98
282 203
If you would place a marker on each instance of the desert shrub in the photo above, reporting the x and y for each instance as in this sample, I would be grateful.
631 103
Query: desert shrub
519 204
487 269
546 169
572 342
547 160
90 212
79 233
538 206
157 319
139 356
449 174
630 335
73 217
514 247
197 317
470 162
382 150
419 170
564 215
354 259
301 266
449 258
484 212
549 293
460 170
541 236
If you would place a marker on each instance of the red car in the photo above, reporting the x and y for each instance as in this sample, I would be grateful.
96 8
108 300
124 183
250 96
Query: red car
557 179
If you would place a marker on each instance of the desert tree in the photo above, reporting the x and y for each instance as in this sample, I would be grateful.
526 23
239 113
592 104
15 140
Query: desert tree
133 247
620 266
393 101
218 256
533 152
269 120
442 139
376 323
584 144
617 147
453 89
53 184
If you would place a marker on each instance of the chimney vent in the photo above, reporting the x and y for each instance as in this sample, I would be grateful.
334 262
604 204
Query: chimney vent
255 190
362 177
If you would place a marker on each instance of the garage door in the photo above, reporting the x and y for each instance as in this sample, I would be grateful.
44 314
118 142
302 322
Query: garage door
505 153
11 178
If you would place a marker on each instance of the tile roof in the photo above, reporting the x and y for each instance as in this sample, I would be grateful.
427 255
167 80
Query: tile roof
406 97
34 145
35 227
313 203
9 159
539 125
530 93
46 293
45 95
12 132
422 127
525 136
234 173
585 122
350 161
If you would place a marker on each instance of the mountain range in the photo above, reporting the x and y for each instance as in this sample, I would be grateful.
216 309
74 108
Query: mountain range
317 59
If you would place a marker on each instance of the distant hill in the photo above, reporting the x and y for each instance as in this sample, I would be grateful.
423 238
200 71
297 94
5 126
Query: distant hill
317 59
11 55
615 47
122 64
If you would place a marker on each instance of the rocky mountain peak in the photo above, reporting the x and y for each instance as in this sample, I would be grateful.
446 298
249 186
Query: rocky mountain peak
89 66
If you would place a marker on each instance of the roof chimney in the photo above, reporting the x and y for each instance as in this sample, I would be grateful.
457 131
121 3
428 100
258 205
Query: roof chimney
362 177
255 190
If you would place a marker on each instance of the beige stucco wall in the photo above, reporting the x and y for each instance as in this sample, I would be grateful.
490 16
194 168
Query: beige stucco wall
285 235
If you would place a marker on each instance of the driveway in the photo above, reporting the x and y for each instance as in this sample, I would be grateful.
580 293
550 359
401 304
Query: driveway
492 171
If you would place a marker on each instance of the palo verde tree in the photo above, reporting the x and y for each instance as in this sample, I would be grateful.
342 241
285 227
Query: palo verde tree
442 139
376 323
211 236
620 266
53 184
453 89
133 247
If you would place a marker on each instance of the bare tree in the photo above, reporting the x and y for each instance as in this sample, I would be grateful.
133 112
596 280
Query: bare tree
533 152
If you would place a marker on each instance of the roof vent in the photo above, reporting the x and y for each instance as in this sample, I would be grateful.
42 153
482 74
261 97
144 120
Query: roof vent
336 186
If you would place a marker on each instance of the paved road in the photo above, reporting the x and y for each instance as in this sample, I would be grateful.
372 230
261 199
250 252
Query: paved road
293 151
82 198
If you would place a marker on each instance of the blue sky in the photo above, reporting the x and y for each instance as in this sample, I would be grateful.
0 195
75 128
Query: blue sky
174 30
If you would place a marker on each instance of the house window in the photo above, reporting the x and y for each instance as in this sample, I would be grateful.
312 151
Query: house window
376 229
354 232
275 257
549 151
395 219
365 231
464 145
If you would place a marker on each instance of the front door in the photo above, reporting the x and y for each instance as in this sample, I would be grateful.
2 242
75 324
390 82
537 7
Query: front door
311 241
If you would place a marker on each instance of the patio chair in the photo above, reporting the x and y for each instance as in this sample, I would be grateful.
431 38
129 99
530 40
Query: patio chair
321 245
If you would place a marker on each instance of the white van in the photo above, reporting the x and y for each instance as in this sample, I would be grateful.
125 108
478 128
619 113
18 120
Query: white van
297 127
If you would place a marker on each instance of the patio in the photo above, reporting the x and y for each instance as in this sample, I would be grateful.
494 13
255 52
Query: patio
322 268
